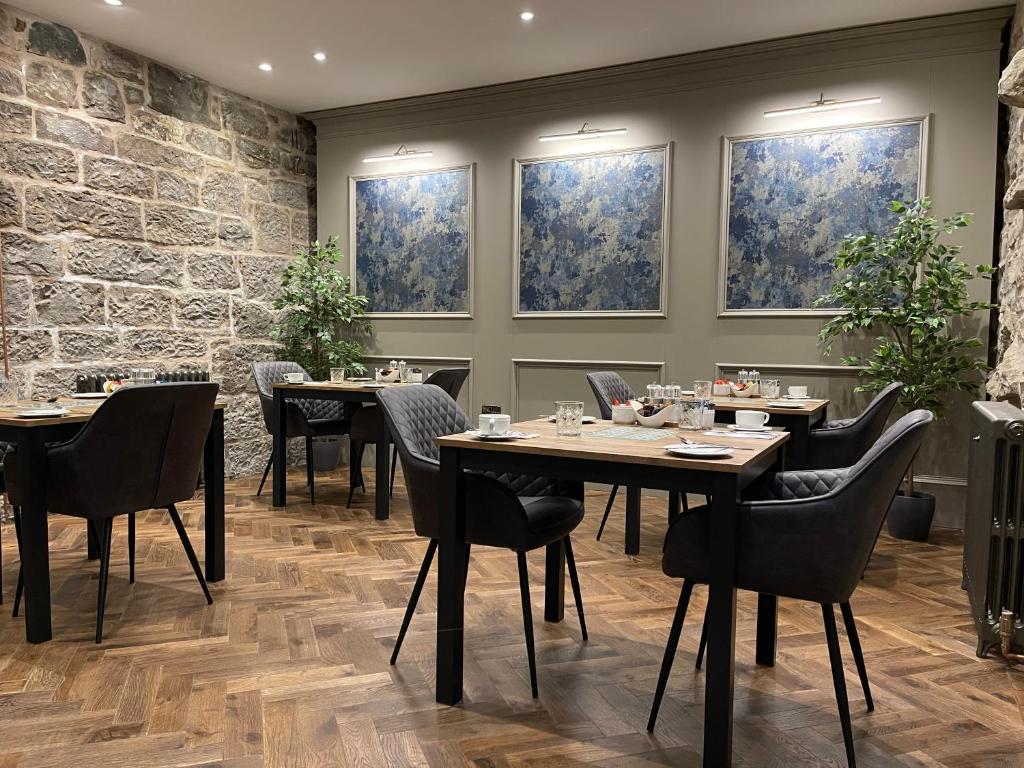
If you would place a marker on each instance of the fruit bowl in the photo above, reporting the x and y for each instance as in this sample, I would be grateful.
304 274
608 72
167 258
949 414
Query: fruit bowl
658 419
387 375
747 391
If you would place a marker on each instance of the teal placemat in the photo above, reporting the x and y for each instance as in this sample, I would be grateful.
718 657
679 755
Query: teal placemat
631 433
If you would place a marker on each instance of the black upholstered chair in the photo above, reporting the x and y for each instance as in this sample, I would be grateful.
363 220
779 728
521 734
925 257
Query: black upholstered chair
842 442
306 418
508 511
142 449
364 426
609 386
808 537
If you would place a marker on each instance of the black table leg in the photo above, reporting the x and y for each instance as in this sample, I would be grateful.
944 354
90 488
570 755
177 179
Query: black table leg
767 629
381 491
451 575
554 582
35 553
673 506
632 520
213 482
280 449
721 623
92 537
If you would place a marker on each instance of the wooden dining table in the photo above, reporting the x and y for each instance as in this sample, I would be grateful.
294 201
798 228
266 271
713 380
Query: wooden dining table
31 436
643 463
348 391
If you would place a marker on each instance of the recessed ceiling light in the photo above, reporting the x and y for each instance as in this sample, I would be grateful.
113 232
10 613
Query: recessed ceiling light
320 56
526 15
265 66
114 2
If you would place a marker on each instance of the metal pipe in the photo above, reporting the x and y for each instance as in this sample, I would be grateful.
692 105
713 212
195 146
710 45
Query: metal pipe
1006 627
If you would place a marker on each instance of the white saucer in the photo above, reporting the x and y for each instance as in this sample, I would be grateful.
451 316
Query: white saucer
795 404
497 438
88 395
585 419
699 451
738 428
794 397
43 413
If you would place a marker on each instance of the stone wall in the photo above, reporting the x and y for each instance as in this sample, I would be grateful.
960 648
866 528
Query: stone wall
145 218
1008 376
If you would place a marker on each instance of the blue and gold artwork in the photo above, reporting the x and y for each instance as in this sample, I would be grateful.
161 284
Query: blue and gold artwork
413 241
792 197
591 233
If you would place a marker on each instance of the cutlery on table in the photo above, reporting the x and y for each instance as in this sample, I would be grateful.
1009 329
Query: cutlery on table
688 442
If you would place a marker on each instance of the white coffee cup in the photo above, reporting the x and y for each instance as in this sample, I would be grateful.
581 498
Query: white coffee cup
494 423
751 418
797 391
294 378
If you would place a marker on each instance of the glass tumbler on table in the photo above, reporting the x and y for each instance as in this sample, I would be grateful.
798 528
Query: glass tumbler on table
770 388
702 390
568 418
337 375
690 414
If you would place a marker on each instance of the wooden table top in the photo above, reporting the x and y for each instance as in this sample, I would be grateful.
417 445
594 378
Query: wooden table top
748 450
79 411
343 386
729 403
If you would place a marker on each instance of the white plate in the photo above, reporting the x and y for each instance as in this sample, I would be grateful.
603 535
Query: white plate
585 419
699 451
738 428
43 413
88 395
794 397
359 378
498 438
784 404
374 385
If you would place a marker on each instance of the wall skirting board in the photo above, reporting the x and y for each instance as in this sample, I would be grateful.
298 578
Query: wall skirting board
518 364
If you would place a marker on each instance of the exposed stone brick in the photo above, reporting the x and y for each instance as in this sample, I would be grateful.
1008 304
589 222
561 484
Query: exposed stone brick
15 118
176 225
10 205
211 271
38 161
289 193
29 346
273 229
11 82
179 95
73 346
50 84
209 143
251 319
234 234
18 300
101 97
163 343
224 191
125 262
52 210
261 275
143 150
201 310
153 125
118 176
257 155
68 303
55 41
64 129
119 62
178 189
245 117
140 307
24 255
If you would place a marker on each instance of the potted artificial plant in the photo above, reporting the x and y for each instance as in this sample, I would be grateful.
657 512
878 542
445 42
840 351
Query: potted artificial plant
322 323
908 290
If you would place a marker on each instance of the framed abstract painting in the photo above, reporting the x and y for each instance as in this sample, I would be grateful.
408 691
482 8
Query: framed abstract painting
591 234
411 242
789 198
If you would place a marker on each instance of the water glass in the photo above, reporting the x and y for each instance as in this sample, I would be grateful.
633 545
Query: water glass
770 388
702 390
568 418
337 375
691 414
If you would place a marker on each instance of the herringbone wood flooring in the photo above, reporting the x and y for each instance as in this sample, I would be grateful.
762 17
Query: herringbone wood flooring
289 667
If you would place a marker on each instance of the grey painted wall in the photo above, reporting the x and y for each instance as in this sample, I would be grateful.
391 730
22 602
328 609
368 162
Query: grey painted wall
946 68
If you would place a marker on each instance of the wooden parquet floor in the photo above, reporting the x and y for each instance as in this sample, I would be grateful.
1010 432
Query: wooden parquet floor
289 667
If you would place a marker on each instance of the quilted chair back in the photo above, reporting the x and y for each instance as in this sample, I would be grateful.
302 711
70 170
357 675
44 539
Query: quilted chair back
812 539
609 386
267 374
449 379
842 443
417 415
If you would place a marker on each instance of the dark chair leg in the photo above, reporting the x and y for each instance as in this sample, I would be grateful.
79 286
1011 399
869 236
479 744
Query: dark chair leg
839 680
131 548
176 519
574 579
355 469
670 651
394 465
524 589
607 509
101 603
858 654
703 641
266 471
310 479
414 598
20 589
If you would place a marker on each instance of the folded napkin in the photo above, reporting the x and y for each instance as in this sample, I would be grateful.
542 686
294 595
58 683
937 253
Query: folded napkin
744 435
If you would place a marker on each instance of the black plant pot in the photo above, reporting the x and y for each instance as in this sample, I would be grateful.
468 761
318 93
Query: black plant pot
910 517
326 453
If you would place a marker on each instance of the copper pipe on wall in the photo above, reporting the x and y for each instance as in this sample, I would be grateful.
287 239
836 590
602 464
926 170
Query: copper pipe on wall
3 317
1006 627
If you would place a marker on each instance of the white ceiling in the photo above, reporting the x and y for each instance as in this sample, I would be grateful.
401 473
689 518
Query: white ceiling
387 49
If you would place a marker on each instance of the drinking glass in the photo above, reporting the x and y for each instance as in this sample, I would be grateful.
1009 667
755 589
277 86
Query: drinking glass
568 418
770 388
702 390
337 375
691 414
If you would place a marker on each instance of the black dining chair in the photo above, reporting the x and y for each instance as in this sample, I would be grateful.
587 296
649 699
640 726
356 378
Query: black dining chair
808 537
306 418
842 442
142 449
608 386
364 427
508 511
